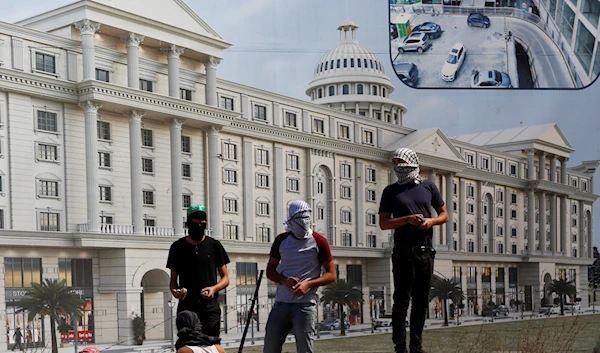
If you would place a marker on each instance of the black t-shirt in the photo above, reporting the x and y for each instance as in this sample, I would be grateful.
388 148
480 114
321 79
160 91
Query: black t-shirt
408 199
197 265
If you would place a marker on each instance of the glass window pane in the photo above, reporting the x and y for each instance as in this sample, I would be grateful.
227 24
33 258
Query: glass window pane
17 273
8 272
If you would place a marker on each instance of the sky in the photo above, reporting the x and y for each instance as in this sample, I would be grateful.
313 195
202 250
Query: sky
276 45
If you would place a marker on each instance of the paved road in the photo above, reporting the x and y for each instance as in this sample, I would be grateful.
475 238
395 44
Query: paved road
550 65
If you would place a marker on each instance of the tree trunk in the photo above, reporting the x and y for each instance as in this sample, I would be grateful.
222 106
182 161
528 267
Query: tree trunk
342 321
562 305
445 312
53 335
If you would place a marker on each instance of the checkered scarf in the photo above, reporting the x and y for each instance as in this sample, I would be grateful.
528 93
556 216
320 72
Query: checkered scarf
298 221
409 171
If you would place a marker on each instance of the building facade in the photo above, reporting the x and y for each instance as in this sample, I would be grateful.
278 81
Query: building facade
113 121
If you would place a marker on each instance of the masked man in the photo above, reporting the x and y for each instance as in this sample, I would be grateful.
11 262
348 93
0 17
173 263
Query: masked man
194 262
406 208
295 263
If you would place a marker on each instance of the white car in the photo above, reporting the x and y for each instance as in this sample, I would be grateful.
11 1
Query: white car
455 59
572 308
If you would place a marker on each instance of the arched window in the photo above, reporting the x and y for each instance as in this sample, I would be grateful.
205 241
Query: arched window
345 89
320 93
374 90
383 91
331 90
359 88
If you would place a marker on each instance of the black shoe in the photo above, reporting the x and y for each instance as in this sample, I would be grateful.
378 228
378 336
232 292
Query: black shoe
400 348
417 350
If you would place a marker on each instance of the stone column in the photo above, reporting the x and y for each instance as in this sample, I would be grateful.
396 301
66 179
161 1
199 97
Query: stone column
249 185
133 61
462 215
581 239
530 164
279 188
564 237
173 55
128 305
359 202
563 171
214 181
135 160
542 164
479 217
507 228
211 80
449 201
436 230
542 197
90 113
176 177
553 223
590 237
553 168
531 220
88 29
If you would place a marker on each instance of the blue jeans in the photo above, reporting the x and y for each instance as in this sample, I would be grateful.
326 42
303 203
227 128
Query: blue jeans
299 318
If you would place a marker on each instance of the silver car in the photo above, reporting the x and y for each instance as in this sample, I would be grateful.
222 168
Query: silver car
415 42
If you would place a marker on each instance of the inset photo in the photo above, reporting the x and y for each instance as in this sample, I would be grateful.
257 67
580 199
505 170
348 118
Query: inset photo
495 44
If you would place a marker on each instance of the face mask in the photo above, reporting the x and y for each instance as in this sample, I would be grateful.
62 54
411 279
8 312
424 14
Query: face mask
196 231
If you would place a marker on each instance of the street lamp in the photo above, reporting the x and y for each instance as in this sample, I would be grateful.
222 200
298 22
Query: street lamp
171 303
522 302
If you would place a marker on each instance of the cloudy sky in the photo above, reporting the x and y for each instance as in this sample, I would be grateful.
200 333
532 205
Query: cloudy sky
277 43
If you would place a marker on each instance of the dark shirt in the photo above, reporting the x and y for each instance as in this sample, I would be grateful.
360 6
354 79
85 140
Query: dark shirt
197 265
409 199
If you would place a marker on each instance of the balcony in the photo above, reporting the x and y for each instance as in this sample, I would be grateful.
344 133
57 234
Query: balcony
126 229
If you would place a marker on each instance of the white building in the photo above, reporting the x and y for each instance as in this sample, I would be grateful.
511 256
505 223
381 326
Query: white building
575 26
113 121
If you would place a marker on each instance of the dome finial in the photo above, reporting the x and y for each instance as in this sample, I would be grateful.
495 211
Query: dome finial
347 27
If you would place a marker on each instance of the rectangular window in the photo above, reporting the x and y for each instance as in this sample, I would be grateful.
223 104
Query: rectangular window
149 222
226 103
499 212
470 208
186 144
371 219
371 175
186 170
49 221
320 213
499 167
185 94
22 272
102 75
454 188
47 121
47 152
262 209
513 249
230 176
47 188
500 196
513 169
230 151
371 195
105 193
148 197
187 201
513 232
320 187
107 220
513 214
45 63
346 237
346 192
262 180
319 126
368 137
290 119
471 246
231 232
346 170
485 163
147 165
293 185
103 130
293 162
231 205
260 112
146 85
513 199
262 156
147 138
470 160
346 217
372 240
264 234
470 228
344 132
1 219
470 191
76 272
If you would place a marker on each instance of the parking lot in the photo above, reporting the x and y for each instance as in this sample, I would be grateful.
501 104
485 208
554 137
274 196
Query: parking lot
485 47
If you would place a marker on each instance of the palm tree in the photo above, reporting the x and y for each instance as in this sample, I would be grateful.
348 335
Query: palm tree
342 293
51 298
562 288
446 289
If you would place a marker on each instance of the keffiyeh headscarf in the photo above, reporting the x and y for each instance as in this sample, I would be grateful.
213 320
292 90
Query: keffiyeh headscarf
190 331
409 171
298 221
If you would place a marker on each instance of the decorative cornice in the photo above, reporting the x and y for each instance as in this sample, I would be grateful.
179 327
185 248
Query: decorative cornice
26 83
440 163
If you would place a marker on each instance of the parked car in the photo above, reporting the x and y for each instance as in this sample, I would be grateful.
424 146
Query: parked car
454 61
477 19
495 311
407 73
393 31
433 30
333 324
490 79
552 309
572 307
418 43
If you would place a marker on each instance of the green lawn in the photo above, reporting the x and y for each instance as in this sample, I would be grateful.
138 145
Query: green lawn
557 334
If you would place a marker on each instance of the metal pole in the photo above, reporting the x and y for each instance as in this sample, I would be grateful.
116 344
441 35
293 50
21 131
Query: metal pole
171 330
75 329
249 318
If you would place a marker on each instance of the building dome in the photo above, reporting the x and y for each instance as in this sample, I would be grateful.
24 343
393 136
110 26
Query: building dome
351 77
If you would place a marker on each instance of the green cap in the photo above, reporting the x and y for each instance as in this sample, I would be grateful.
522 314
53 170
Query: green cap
196 208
